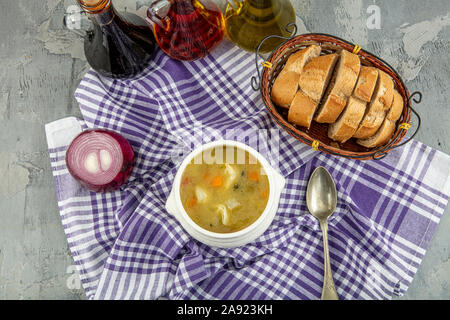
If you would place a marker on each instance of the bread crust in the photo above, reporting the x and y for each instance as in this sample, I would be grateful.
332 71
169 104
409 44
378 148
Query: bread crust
284 88
316 75
376 111
397 107
367 81
286 84
297 60
385 132
347 123
383 135
302 110
340 89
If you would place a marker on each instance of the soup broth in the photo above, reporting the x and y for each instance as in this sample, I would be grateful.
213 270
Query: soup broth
224 189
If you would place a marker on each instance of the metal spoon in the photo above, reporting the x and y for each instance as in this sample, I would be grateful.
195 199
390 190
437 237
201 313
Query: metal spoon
321 199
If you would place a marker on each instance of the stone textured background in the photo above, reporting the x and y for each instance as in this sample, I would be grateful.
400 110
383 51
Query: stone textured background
41 65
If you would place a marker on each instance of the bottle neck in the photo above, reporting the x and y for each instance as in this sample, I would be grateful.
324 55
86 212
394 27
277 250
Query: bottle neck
263 10
182 7
102 11
95 6
261 4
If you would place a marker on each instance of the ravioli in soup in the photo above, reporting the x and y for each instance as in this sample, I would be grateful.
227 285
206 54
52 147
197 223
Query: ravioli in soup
224 189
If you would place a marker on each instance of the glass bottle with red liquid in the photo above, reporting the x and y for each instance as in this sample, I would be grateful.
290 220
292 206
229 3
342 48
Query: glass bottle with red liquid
186 29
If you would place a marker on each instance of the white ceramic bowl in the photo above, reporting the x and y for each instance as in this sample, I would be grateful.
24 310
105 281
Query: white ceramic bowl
233 239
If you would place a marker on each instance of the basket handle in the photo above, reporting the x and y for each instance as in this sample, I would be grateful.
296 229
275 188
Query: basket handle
383 153
256 85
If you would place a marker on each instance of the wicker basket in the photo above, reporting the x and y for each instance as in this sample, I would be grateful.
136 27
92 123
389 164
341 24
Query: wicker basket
316 136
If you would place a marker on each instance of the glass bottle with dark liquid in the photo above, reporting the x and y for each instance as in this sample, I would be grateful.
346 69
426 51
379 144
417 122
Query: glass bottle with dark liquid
117 46
186 29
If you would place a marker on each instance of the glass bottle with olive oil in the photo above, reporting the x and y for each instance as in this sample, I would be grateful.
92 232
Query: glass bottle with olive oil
248 22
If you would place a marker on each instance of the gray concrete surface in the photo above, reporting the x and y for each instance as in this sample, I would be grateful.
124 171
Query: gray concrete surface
41 65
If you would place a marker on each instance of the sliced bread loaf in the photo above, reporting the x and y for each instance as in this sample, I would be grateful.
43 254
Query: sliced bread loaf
376 111
315 77
340 89
286 84
385 132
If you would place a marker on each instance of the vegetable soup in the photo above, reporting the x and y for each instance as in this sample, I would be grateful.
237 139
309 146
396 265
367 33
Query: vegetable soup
224 189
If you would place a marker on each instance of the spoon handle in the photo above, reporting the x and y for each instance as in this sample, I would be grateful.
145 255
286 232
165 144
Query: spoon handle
328 290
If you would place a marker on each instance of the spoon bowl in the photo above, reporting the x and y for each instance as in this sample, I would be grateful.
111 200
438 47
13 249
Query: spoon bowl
321 195
321 200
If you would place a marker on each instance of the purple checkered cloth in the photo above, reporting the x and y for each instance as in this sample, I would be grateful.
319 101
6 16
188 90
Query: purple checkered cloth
126 246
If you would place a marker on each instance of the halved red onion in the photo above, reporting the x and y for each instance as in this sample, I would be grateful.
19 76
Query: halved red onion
101 160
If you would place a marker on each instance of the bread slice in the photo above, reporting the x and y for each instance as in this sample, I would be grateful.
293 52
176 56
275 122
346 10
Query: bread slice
299 59
347 123
340 89
367 81
286 84
385 132
397 107
302 110
382 136
376 111
284 89
316 75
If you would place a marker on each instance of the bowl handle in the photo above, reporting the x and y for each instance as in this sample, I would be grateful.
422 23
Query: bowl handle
171 206
255 80
280 181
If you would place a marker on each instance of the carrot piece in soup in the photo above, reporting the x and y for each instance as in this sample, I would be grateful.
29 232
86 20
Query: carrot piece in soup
185 181
264 194
192 202
253 176
216 181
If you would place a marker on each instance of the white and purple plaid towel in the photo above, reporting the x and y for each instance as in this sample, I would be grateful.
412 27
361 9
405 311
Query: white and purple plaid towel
126 246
